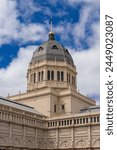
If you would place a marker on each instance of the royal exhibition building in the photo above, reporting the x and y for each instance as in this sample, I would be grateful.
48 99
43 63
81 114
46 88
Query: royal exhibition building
52 114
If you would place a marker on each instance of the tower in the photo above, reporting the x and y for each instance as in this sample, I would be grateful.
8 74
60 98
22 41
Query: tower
51 81
51 66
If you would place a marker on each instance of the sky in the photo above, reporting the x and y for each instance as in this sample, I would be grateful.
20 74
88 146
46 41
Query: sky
25 24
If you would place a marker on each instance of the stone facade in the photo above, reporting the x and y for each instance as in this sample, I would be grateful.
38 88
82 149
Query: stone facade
52 114
20 129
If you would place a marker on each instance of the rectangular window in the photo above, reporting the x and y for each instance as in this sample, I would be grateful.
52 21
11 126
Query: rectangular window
58 75
55 123
94 119
91 119
62 76
98 120
67 122
80 121
74 121
77 121
70 122
86 120
55 108
63 108
67 77
34 77
83 120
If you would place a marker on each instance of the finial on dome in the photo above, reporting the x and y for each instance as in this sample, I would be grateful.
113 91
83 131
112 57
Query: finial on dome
51 33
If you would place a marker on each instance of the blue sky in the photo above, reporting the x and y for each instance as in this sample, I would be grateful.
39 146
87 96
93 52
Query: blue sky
24 24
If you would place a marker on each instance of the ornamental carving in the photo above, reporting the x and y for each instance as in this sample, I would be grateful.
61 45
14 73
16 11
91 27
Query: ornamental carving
3 140
29 143
17 142
51 145
81 144
96 143
65 144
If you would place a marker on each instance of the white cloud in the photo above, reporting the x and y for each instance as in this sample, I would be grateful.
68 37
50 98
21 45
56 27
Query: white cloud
88 65
88 68
12 29
13 78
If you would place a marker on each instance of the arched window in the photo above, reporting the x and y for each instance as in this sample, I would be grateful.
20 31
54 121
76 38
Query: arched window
62 76
39 76
67 77
34 77
48 75
42 76
55 108
52 75
40 48
54 47
58 75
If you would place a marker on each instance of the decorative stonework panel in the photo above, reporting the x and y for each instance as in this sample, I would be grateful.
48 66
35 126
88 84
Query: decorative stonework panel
3 141
17 130
65 132
40 133
65 144
52 134
30 132
16 142
96 143
40 144
81 144
51 145
4 127
81 131
29 143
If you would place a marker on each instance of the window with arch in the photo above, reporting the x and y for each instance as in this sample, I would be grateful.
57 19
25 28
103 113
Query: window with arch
62 108
39 76
34 77
52 75
69 78
55 108
42 76
48 75
54 47
62 76
58 75
40 48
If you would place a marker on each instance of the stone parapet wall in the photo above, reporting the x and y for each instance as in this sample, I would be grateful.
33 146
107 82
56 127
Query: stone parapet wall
25 130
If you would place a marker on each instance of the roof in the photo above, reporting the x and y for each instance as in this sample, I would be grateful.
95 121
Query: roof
17 105
90 109
51 50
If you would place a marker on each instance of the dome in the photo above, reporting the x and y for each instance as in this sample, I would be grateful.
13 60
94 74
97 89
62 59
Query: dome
51 50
